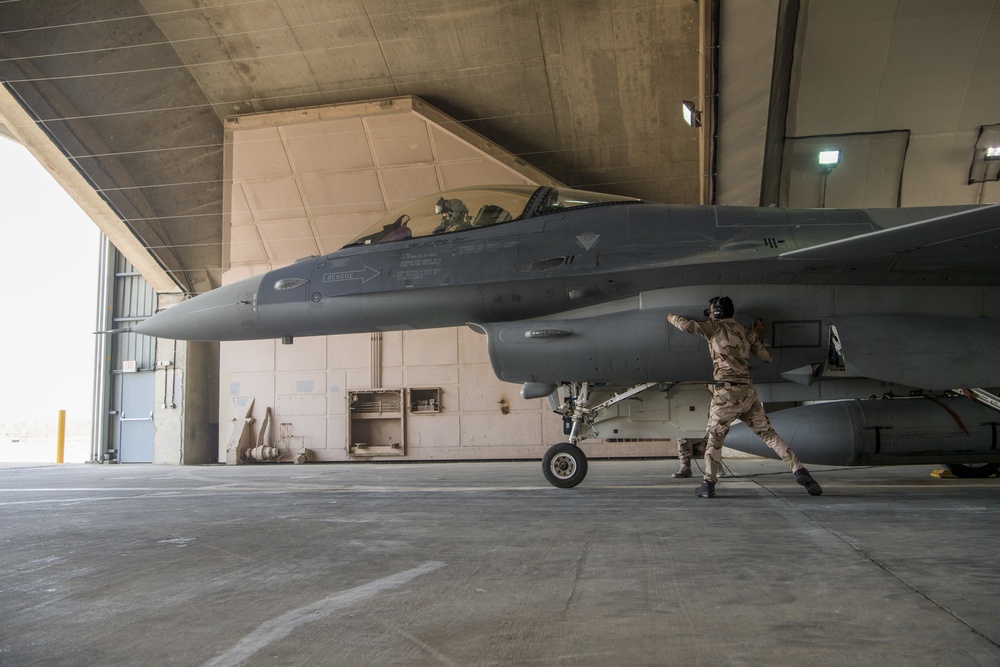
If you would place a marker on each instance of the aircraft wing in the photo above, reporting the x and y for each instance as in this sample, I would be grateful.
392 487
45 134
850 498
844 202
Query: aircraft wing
952 241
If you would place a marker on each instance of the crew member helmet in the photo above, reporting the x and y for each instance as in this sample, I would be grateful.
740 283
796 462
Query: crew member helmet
720 307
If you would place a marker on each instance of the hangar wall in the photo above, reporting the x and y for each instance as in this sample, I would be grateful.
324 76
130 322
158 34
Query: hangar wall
308 386
903 89
905 103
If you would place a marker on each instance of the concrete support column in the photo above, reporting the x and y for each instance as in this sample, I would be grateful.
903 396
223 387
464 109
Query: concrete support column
187 403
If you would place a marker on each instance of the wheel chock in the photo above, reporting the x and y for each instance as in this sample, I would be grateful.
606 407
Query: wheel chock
942 474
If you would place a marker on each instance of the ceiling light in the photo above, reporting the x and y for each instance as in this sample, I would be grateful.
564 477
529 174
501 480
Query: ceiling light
829 158
827 161
985 158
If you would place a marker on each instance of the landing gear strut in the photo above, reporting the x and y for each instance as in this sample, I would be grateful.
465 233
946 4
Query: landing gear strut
565 465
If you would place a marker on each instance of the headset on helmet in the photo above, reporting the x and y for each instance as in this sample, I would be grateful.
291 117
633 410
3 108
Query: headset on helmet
721 307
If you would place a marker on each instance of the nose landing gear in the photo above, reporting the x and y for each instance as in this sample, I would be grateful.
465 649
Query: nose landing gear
565 465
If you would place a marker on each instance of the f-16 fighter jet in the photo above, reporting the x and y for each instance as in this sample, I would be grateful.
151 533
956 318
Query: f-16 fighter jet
572 289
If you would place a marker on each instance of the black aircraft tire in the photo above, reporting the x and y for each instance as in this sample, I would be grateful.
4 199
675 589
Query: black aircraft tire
972 471
564 465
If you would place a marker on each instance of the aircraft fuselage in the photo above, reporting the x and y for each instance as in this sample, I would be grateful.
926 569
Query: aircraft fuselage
539 265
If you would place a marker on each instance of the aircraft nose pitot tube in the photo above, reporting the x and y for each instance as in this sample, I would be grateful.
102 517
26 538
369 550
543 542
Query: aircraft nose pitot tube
226 313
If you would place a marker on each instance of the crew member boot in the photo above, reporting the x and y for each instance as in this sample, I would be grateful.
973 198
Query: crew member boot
683 471
805 479
706 490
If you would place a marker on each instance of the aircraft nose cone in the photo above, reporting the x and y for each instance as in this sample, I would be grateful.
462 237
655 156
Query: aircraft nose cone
226 313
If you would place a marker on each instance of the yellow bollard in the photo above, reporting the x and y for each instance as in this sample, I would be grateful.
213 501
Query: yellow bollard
61 437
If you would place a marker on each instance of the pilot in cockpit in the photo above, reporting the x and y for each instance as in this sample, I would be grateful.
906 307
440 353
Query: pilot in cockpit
454 215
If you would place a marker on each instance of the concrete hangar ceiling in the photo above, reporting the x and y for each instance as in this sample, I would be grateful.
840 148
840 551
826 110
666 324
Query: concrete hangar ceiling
137 95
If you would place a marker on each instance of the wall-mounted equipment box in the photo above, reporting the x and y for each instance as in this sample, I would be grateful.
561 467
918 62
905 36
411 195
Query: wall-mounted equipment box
375 425
425 401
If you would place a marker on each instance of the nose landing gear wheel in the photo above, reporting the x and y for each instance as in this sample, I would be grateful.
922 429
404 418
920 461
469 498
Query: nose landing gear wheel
564 465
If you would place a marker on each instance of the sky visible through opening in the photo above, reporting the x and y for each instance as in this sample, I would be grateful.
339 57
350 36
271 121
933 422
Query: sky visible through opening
48 289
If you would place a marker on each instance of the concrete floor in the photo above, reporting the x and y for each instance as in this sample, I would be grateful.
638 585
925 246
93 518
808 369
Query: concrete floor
486 564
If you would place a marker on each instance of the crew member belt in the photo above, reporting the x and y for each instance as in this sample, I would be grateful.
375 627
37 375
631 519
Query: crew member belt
729 385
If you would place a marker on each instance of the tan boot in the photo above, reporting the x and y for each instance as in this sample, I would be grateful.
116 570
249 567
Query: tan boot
684 471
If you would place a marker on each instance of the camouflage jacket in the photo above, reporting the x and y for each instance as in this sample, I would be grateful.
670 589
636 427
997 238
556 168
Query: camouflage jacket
729 343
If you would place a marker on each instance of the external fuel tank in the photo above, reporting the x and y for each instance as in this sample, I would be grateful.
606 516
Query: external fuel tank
881 432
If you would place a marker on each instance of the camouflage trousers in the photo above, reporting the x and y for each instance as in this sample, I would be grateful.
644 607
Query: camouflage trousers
688 447
739 401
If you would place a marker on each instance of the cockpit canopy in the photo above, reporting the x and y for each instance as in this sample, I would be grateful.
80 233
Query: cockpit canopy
471 208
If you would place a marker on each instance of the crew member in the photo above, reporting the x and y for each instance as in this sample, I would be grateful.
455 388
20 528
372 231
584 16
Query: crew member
454 215
686 447
733 395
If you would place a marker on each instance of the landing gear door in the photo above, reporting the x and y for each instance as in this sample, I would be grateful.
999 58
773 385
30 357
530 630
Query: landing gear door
680 412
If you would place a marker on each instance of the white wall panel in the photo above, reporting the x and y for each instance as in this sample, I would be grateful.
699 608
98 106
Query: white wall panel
303 354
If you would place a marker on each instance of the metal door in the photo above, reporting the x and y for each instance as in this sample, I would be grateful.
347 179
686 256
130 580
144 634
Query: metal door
135 417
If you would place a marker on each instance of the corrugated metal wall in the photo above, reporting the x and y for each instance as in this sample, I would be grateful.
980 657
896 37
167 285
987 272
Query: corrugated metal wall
134 301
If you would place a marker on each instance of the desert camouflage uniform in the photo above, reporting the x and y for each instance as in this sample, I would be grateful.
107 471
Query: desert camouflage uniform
688 447
733 395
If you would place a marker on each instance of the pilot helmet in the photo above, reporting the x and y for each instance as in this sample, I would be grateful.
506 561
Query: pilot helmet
441 206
